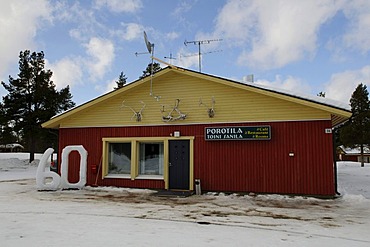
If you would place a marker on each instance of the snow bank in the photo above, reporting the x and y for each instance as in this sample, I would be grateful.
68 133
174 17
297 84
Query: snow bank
20 156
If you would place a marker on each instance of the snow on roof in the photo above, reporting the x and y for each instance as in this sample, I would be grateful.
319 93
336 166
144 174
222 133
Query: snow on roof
11 146
355 150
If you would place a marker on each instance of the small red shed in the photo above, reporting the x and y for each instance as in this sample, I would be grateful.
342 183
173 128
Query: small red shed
168 130
353 154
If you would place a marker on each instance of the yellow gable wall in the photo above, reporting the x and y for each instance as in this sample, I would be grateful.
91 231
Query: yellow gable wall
231 105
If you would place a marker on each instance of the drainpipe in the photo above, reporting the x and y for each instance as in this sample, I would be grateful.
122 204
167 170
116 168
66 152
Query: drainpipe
335 164
336 178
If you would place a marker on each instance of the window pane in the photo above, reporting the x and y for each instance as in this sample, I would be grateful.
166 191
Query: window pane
119 160
151 159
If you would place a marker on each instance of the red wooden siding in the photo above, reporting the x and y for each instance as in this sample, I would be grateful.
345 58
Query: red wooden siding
349 158
232 166
355 157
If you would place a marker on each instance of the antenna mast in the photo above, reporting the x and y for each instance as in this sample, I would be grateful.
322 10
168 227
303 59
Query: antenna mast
170 58
200 42
150 48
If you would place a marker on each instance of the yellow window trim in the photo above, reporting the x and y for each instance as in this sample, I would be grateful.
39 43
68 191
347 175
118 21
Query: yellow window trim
135 141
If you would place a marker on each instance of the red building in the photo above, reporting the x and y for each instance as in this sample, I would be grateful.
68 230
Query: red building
353 154
166 131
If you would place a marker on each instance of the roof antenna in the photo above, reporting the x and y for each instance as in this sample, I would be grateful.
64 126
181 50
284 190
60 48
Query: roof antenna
170 58
150 48
200 42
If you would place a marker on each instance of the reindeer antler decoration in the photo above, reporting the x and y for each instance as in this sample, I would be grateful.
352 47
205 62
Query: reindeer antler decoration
169 116
211 111
137 114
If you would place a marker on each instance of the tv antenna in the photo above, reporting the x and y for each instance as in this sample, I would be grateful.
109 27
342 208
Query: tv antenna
150 48
200 42
140 53
170 58
196 54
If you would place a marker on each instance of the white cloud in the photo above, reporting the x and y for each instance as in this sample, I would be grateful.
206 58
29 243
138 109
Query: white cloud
354 35
341 85
82 20
289 83
236 20
67 71
357 35
101 52
172 35
107 87
131 31
19 23
65 13
77 34
186 60
182 8
119 6
273 33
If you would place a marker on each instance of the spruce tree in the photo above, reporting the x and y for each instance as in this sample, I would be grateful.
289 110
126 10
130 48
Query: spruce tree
121 81
33 99
149 69
356 132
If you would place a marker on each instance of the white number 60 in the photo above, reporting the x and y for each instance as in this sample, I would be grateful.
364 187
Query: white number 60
61 181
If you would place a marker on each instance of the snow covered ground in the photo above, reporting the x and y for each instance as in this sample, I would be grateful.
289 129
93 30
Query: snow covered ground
130 217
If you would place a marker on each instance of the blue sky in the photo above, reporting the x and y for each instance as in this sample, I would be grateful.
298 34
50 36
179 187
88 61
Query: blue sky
304 46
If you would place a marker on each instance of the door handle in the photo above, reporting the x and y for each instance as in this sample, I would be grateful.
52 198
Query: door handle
169 163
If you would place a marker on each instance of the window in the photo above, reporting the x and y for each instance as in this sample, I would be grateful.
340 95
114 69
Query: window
119 158
128 158
150 158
